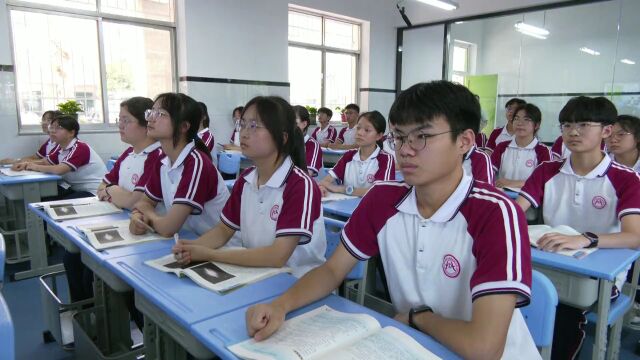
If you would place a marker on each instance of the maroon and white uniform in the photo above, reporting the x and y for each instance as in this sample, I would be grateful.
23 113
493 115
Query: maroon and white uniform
478 163
313 154
352 170
327 134
46 148
207 138
513 162
132 171
347 135
87 168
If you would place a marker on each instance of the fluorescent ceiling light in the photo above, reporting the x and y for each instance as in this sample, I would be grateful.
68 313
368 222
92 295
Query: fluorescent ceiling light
628 62
586 50
442 4
531 30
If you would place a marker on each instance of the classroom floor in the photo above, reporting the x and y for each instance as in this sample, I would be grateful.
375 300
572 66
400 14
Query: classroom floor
23 298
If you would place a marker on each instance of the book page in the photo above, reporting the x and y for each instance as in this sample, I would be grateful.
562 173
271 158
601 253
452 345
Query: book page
9 172
389 343
309 336
331 196
79 208
168 263
537 231
108 235
221 277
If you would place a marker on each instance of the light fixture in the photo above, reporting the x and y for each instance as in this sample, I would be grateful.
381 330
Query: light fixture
586 50
459 22
531 30
628 62
442 4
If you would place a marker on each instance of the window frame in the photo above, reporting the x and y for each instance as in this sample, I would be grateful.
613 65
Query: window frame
99 18
468 49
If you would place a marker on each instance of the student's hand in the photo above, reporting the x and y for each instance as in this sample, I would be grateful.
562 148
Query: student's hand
556 242
135 225
323 190
7 161
335 188
403 318
501 183
19 166
186 252
263 320
103 195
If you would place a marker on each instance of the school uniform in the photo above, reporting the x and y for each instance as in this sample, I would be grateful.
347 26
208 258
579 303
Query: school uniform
347 135
191 180
352 170
481 140
288 204
327 134
207 138
46 148
513 162
486 252
497 136
87 168
478 164
595 202
313 154
636 166
132 170
235 134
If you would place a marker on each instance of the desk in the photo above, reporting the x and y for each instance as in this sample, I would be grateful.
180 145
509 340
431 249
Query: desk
330 156
30 189
341 209
228 329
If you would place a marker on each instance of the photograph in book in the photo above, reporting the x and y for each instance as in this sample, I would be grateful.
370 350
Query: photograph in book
77 208
108 236
64 210
211 273
115 233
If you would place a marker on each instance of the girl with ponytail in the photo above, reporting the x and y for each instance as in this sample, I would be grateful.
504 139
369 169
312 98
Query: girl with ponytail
275 204
184 179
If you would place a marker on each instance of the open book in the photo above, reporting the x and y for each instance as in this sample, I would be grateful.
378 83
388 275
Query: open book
331 196
325 333
104 236
537 231
9 172
218 277
78 208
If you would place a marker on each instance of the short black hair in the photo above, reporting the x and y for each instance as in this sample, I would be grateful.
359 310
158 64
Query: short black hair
593 109
53 113
514 101
67 122
239 109
631 124
353 107
532 111
423 102
326 111
303 114
205 114
137 106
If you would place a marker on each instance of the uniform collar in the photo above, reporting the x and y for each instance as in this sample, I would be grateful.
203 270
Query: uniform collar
448 210
598 171
183 155
468 154
149 148
71 144
373 155
531 145
279 177
203 131
306 138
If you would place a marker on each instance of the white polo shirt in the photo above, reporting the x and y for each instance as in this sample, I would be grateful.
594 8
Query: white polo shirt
327 134
192 180
513 162
475 245
235 135
478 163
498 136
636 166
559 149
313 154
289 204
46 148
207 138
347 135
132 171
87 168
352 170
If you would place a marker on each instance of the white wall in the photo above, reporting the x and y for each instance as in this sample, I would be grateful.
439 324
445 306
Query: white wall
422 55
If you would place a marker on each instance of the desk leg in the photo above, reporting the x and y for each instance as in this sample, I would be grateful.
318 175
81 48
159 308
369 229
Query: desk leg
115 316
160 345
35 237
604 303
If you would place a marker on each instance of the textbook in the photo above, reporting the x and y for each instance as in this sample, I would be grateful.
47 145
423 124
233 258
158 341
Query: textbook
337 196
537 231
9 172
78 208
325 333
215 276
116 233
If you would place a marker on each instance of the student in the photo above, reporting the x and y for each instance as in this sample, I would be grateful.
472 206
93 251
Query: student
347 136
478 164
624 142
275 204
560 151
203 130
234 142
47 147
590 193
184 180
454 269
325 134
136 164
504 133
79 165
313 154
481 140
358 169
515 160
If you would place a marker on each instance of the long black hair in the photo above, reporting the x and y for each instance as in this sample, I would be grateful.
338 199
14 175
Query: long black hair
278 117
205 114
183 108
303 114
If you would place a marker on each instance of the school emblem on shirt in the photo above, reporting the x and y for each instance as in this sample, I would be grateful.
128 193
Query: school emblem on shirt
599 202
275 211
450 266
529 163
134 179
370 178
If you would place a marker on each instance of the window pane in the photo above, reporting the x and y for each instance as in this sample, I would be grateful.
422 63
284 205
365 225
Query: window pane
138 63
341 35
457 78
305 76
459 59
305 28
56 60
72 4
340 80
148 9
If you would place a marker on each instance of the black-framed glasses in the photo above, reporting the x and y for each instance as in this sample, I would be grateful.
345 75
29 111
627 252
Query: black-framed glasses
417 140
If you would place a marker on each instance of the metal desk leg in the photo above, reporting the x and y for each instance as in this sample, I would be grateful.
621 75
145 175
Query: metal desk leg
35 234
604 303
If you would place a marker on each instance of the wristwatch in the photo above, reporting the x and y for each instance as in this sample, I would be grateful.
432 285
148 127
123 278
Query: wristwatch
348 190
418 310
593 239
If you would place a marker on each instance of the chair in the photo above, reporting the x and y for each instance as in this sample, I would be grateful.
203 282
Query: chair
110 164
229 163
540 314
7 335
2 260
358 273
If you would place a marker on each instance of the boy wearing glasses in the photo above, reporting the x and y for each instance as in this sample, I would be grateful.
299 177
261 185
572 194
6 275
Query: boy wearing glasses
455 250
590 193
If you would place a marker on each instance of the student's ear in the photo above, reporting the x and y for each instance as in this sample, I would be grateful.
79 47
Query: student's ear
606 131
285 138
379 136
184 126
466 140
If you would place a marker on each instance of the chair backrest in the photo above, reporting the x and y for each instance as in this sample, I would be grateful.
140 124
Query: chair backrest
3 255
229 163
7 335
333 229
540 314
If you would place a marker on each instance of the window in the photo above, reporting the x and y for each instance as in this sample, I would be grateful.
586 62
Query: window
323 60
99 61
460 63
